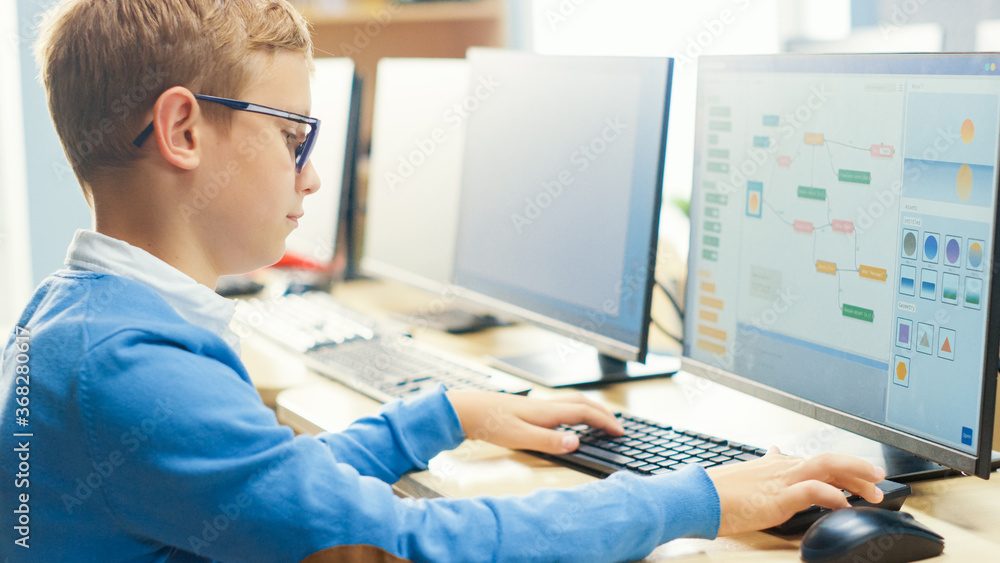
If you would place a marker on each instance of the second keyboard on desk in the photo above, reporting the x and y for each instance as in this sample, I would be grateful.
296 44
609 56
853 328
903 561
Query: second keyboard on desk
359 352
389 367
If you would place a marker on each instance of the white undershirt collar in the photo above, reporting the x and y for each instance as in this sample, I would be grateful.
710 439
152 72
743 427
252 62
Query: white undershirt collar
197 304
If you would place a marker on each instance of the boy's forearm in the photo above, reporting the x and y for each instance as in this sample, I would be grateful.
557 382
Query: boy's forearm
403 437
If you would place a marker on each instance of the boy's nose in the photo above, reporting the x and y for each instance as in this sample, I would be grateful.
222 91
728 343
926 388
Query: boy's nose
307 181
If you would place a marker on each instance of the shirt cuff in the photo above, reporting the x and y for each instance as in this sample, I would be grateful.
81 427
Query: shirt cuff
687 501
424 426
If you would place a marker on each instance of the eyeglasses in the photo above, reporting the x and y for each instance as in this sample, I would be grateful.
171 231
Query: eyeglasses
302 151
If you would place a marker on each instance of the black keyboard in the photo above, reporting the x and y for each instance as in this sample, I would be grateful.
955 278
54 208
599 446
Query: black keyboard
389 367
650 448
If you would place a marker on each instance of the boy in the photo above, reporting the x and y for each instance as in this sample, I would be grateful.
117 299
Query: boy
144 438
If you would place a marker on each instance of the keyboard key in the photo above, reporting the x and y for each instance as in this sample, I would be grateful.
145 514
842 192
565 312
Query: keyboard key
605 455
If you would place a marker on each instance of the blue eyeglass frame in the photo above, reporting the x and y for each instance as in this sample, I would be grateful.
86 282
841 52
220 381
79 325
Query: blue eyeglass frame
302 152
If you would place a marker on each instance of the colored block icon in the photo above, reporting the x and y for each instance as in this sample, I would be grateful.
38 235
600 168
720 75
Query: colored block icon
966 435
949 288
928 284
932 243
925 338
904 333
755 199
907 280
953 251
910 244
946 344
901 371
973 292
974 258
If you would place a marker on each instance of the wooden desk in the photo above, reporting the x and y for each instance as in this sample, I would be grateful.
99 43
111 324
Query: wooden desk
965 510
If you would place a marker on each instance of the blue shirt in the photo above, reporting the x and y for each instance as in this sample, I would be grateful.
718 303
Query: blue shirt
148 442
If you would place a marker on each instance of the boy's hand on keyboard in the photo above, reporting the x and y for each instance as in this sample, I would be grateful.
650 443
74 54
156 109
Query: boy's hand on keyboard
524 423
766 492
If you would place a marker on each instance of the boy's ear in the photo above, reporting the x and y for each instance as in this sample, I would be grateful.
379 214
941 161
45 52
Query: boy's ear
177 119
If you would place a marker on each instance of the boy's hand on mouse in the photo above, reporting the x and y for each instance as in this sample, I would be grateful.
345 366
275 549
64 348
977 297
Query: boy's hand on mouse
519 422
766 492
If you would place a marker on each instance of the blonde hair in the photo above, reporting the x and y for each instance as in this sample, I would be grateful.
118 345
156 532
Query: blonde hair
104 63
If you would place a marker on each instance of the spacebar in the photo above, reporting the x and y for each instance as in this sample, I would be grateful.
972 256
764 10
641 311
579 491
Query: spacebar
610 457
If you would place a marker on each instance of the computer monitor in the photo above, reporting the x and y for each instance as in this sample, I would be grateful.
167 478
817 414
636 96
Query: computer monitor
414 174
844 215
336 102
561 184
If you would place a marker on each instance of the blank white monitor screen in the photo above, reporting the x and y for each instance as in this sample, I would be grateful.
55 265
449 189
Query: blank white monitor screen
414 174
561 190
332 98
843 237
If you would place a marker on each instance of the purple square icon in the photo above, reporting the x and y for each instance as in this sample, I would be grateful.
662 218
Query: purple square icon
904 333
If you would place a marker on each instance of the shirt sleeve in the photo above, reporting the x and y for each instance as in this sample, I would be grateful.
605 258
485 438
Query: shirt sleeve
194 460
403 437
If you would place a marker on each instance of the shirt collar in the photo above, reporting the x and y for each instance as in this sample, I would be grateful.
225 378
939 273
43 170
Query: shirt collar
94 252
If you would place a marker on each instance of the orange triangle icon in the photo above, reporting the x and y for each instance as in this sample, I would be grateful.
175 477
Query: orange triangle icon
946 347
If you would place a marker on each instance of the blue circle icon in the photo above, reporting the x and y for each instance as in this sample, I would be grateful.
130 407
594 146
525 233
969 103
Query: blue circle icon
930 248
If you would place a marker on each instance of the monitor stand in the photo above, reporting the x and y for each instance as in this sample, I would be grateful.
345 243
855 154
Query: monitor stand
584 366
899 466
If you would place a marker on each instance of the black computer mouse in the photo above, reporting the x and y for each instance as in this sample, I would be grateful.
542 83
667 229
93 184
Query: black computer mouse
854 535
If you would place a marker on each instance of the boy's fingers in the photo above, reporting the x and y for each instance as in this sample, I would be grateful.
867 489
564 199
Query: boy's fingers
804 494
866 489
835 468
531 437
584 413
580 398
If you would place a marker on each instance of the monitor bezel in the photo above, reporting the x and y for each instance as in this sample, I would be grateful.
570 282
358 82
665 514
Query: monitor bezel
979 464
